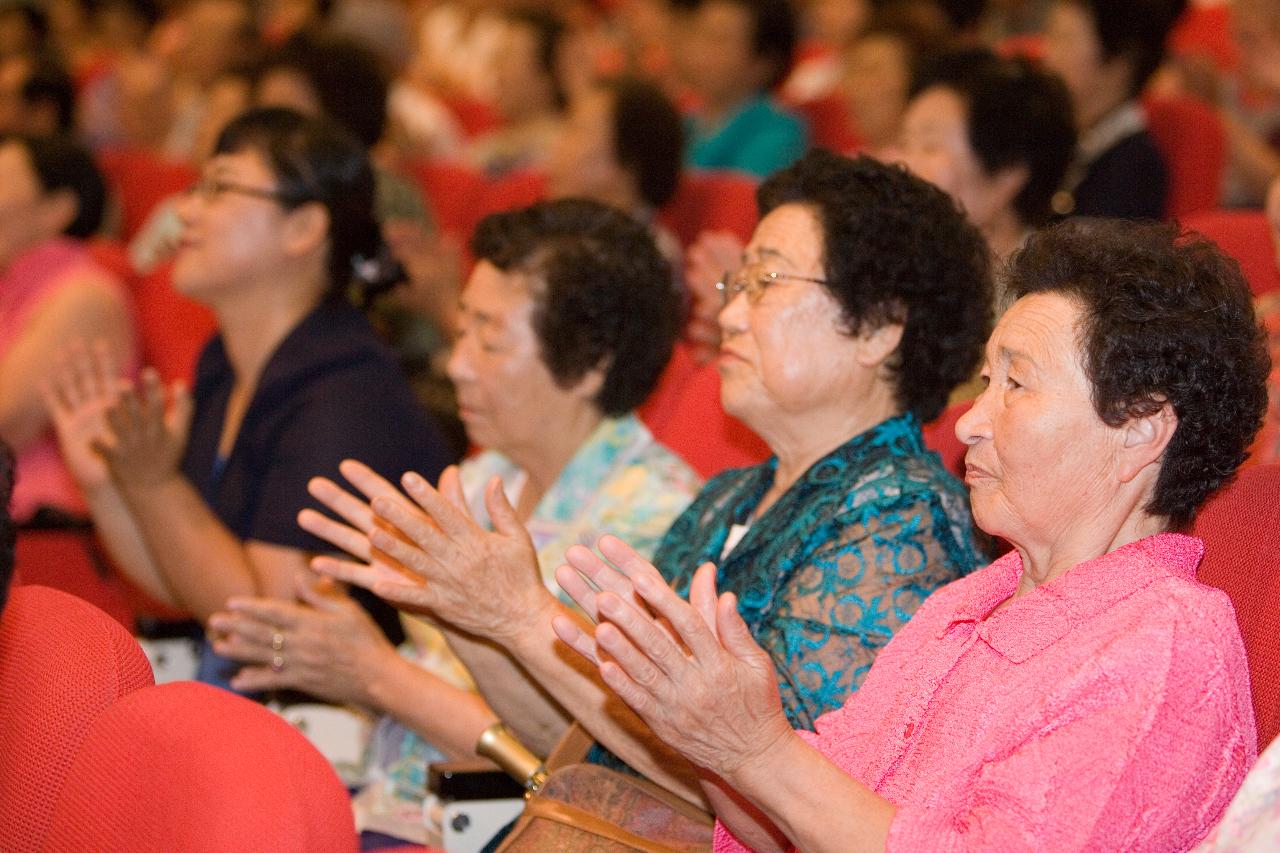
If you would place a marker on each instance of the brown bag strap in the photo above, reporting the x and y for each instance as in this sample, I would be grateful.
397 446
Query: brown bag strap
563 813
572 748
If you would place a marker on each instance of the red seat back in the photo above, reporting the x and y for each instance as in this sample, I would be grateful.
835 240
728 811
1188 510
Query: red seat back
1240 527
454 191
173 329
701 433
656 411
519 189
141 179
712 201
830 125
62 664
188 767
70 561
1245 236
1192 139
940 436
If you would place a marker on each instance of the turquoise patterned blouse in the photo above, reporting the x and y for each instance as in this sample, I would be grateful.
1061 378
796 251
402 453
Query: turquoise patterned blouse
836 565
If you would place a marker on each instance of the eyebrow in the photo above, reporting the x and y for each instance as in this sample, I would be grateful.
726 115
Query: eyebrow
765 252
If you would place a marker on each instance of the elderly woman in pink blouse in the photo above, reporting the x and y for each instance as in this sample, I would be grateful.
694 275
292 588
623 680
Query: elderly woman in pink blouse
1082 692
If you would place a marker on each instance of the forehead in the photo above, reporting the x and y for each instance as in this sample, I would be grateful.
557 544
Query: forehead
725 17
246 163
938 106
500 296
791 230
1042 327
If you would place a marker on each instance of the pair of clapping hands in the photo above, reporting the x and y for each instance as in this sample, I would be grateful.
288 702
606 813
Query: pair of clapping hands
691 669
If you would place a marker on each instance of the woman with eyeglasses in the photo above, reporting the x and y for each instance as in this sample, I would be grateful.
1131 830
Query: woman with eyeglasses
863 300
195 494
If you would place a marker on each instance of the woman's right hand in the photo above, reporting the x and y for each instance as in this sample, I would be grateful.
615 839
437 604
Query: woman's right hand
85 384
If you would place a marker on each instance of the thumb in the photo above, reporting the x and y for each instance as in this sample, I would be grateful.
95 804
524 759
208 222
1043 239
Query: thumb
702 595
734 634
450 486
501 513
181 412
309 591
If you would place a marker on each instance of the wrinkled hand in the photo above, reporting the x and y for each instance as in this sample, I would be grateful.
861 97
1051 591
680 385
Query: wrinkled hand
585 575
428 555
326 646
712 255
84 385
716 699
148 429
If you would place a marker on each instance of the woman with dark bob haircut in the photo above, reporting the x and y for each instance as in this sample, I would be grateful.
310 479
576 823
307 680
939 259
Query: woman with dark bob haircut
860 303
1082 692
565 326
195 493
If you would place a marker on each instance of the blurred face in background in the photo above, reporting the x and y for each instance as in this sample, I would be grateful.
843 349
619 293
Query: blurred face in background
584 161
28 214
525 89
877 80
718 57
1256 28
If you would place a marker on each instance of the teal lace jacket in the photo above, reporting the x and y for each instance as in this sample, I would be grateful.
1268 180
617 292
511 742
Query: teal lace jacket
837 565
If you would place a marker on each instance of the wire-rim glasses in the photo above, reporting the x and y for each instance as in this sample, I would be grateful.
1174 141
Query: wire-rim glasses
753 281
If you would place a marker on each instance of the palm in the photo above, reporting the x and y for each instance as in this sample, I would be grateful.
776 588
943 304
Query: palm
77 429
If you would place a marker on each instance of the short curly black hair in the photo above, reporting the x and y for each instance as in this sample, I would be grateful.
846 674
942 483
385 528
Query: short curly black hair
896 249
1166 318
1018 115
648 136
604 293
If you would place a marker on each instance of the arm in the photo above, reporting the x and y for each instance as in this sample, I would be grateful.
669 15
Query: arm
201 561
86 309
485 584
329 647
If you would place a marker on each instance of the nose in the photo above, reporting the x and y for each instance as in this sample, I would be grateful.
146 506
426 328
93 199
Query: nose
459 368
733 316
975 424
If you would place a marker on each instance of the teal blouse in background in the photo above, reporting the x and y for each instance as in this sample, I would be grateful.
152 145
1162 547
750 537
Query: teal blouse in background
760 138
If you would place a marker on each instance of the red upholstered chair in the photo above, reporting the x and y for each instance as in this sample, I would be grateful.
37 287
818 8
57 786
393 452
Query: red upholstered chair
141 179
712 201
940 436
1240 527
173 329
657 410
519 189
70 560
1245 236
830 125
62 663
188 767
1191 137
703 434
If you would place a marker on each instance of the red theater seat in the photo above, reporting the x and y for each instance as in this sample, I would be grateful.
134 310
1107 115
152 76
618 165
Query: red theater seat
1245 236
1191 137
1240 527
141 179
703 434
173 329
940 436
187 767
712 201
454 191
62 664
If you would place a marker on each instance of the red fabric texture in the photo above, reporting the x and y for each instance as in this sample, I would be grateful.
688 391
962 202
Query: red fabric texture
830 125
1190 135
1240 527
1245 236
173 329
940 437
712 201
140 180
62 664
188 767
453 190
656 411
68 560
701 433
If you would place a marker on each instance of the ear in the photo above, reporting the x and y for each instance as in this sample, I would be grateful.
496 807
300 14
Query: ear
589 384
58 210
1143 441
876 347
306 228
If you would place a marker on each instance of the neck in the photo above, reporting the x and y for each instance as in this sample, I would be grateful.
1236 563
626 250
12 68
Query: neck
1004 234
717 111
254 322
1101 105
1087 539
802 440
558 442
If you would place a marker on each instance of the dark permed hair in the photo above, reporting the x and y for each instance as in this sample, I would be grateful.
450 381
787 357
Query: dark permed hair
1166 319
897 250
1018 115
604 293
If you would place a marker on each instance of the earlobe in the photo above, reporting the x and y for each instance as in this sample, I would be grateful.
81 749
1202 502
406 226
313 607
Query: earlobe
307 228
1145 439
877 347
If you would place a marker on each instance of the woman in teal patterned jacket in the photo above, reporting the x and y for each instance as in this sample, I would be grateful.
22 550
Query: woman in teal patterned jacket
862 301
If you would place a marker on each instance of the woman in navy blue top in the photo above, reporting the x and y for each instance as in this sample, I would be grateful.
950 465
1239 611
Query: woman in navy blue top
196 494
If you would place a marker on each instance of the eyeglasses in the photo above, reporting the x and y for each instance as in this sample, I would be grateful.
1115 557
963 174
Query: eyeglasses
210 188
752 281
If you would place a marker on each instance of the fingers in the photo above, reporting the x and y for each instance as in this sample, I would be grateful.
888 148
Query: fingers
336 534
181 409
248 631
572 635
452 520
627 559
320 593
702 595
451 487
736 636
686 621
643 637
260 679
282 614
370 483
362 575
501 512
347 506
583 593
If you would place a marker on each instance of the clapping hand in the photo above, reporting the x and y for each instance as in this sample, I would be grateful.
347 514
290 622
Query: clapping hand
148 428
691 670
425 552
84 385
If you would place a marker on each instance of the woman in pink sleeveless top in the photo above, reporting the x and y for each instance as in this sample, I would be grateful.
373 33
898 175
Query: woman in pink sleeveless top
51 293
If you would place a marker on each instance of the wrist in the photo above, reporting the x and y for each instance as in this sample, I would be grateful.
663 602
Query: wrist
529 623
760 767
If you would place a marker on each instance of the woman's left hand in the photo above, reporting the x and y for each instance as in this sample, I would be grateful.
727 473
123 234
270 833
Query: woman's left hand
708 690
326 646
148 432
